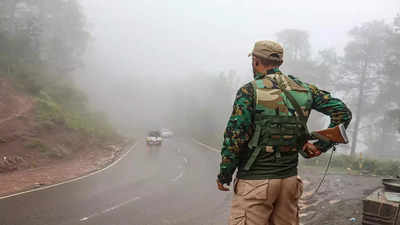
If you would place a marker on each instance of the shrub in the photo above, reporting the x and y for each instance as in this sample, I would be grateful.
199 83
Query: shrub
362 165
37 144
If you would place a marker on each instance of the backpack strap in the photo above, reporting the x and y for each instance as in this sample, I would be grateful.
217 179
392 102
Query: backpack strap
256 135
299 111
253 143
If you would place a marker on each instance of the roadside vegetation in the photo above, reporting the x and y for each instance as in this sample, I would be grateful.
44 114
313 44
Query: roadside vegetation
41 43
342 163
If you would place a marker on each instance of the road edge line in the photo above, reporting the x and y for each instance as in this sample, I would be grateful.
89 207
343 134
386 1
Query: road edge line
205 146
72 180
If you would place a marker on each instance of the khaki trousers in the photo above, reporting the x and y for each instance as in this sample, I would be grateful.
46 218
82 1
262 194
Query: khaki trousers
266 202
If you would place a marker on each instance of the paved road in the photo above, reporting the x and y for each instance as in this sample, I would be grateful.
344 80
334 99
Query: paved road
171 184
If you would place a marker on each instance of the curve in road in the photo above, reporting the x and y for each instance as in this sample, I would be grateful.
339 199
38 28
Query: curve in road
169 184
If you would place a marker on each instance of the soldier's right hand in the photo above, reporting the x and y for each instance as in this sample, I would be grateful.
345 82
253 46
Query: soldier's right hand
221 186
311 150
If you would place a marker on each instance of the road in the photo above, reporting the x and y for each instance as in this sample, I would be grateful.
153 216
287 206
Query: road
171 184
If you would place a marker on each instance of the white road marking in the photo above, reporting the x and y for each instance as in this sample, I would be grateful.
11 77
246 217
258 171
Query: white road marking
110 209
121 204
205 146
178 150
181 167
178 177
73 180
88 217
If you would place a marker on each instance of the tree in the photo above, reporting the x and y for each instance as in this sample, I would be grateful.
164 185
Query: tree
388 99
297 45
50 32
362 73
298 60
63 36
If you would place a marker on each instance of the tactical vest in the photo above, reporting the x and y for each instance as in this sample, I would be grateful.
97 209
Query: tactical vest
280 126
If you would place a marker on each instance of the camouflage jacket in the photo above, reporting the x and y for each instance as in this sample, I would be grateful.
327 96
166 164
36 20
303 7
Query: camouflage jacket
240 126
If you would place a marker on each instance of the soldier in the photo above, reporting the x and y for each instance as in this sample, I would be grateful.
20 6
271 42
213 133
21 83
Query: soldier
263 138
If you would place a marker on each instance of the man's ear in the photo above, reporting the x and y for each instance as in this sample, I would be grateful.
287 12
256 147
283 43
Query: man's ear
256 62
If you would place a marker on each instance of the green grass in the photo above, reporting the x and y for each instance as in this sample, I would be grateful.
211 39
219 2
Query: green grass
50 112
37 144
352 165
59 102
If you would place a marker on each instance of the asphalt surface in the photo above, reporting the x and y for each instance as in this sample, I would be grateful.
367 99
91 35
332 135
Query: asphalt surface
169 184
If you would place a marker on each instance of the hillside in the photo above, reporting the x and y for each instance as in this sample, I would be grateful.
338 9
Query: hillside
30 145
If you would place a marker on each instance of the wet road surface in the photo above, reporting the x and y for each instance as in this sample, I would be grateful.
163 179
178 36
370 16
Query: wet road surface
169 184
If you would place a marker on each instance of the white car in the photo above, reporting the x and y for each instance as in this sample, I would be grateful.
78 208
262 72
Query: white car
166 133
154 138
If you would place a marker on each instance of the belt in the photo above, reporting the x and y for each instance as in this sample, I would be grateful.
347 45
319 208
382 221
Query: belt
281 149
258 149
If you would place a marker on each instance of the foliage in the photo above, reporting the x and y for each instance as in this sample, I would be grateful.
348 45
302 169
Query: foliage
76 118
37 144
365 80
369 166
296 42
47 31
391 69
40 43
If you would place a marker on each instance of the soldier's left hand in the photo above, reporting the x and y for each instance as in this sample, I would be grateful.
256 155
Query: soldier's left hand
221 187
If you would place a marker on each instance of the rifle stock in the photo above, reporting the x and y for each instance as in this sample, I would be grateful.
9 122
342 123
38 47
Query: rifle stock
336 135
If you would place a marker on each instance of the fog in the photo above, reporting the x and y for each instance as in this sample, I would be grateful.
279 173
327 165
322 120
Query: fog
109 71
152 64
182 36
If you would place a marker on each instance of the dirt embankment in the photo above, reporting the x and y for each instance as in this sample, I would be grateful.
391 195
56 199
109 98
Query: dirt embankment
33 154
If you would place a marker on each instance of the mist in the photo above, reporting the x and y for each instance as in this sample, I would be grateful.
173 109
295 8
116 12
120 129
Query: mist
115 111
217 35
146 57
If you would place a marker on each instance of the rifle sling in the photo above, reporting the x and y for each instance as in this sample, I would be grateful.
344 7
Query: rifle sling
299 111
252 158
300 114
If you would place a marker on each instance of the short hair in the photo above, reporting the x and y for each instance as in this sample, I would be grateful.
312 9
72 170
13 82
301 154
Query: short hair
270 62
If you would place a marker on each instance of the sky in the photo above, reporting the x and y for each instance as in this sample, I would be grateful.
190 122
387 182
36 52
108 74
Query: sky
178 36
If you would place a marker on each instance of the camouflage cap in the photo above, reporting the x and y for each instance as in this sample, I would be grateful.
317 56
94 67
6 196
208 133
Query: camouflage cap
267 50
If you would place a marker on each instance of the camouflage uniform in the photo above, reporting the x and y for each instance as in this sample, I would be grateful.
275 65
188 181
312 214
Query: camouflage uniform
240 127
267 189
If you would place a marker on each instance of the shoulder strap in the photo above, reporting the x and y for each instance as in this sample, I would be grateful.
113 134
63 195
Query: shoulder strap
254 139
292 100
253 143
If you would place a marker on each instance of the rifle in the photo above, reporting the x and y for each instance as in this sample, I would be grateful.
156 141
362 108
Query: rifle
334 135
